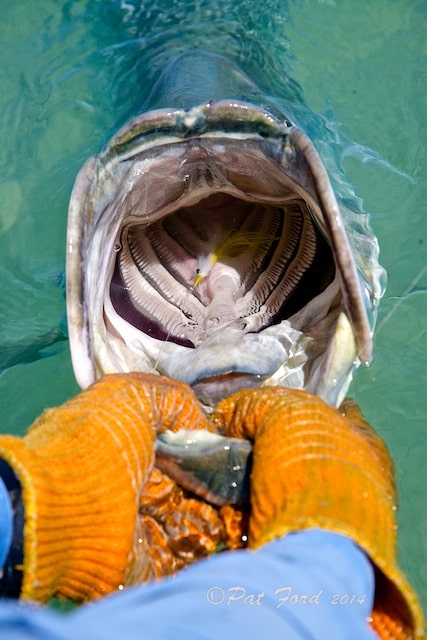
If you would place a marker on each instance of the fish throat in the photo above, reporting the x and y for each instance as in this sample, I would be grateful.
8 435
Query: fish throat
221 263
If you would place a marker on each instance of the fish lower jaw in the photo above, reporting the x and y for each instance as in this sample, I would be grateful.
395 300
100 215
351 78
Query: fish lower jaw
230 361
215 388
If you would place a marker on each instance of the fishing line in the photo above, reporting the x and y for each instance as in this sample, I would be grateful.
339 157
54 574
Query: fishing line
161 351
402 298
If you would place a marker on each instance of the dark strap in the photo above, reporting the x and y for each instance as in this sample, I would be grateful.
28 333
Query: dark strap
12 571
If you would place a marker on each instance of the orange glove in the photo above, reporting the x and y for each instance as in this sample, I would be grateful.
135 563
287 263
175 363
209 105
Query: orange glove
312 467
82 468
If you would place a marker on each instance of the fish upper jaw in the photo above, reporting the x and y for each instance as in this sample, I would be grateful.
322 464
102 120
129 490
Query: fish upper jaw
284 304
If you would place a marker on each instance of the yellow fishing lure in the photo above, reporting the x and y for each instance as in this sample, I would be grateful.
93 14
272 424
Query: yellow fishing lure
233 244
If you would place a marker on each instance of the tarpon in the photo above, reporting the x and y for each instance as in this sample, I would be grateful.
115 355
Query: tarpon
206 243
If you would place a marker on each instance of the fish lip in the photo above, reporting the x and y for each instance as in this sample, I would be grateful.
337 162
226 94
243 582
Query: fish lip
156 129
226 353
211 389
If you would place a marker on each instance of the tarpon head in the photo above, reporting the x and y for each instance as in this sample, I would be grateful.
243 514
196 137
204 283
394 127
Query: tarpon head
206 243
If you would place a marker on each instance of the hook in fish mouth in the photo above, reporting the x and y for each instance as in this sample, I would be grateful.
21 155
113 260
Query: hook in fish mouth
208 245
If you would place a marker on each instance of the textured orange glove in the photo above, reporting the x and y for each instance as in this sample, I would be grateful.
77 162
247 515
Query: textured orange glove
313 467
82 468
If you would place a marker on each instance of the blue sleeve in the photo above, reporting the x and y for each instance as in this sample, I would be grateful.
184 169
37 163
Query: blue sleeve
311 584
6 523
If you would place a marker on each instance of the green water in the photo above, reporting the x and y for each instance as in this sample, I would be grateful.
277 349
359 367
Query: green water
69 75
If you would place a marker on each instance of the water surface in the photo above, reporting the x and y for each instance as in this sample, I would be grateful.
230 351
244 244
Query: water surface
72 71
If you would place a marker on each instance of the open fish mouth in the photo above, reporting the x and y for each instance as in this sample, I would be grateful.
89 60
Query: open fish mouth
207 245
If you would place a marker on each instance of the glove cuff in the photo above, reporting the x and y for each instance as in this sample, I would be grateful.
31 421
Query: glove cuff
11 573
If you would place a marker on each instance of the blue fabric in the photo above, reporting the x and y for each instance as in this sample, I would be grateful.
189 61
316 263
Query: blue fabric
312 585
6 523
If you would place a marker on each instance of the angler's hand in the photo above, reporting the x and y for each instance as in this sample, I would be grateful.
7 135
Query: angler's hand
82 469
316 467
